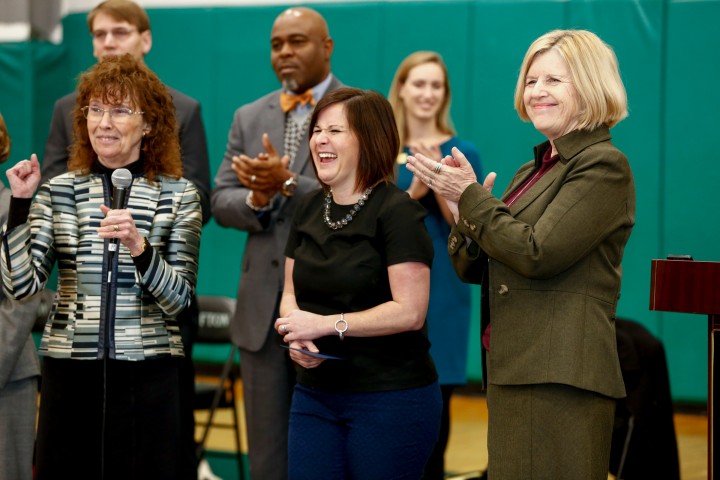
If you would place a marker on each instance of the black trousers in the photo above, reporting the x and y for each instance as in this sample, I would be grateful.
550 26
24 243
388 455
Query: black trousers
107 420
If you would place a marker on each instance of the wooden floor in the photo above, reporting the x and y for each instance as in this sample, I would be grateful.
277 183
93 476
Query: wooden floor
467 451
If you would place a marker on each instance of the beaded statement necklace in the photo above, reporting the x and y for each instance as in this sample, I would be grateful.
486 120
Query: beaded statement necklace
350 215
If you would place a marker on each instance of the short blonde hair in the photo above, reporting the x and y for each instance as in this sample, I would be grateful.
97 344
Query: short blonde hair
4 141
444 122
594 71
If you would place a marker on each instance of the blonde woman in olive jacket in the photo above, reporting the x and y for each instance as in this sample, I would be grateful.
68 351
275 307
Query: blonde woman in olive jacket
548 254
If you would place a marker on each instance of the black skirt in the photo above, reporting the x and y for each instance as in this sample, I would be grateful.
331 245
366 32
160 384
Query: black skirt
109 420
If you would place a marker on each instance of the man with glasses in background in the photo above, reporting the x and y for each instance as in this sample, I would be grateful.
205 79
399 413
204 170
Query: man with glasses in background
119 27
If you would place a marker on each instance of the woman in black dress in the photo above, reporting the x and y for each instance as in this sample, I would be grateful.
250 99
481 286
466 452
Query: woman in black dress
357 280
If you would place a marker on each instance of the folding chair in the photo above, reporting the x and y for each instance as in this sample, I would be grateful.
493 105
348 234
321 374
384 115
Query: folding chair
214 322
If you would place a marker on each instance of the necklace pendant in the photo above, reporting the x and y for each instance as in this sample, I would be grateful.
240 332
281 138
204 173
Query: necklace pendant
349 216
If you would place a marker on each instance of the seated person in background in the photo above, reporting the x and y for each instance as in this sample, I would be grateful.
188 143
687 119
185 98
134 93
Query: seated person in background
112 345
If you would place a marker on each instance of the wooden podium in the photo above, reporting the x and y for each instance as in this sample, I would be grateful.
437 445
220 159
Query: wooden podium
688 286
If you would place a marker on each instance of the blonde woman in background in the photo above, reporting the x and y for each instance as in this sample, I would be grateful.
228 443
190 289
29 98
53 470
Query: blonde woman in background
420 98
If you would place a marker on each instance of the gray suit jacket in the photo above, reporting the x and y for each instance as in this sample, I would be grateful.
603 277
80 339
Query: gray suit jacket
554 265
18 358
196 166
263 262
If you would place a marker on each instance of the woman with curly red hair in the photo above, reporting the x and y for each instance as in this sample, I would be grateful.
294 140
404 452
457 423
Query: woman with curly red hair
111 344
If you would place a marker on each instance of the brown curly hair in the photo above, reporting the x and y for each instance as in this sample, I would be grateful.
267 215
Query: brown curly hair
113 80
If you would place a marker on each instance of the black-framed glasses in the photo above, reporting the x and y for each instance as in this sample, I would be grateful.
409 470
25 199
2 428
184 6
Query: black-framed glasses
117 114
117 33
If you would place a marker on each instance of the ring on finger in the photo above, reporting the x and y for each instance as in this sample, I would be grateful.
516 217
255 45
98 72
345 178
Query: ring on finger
438 168
116 228
253 178
283 328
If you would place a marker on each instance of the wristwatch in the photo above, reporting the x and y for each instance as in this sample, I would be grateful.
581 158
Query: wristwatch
289 186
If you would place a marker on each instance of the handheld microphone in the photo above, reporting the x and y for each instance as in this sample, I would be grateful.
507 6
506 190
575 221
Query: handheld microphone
121 180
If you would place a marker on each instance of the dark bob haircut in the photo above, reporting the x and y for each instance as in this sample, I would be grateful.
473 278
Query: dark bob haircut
371 120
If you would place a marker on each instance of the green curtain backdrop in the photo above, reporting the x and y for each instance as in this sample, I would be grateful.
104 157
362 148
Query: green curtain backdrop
667 52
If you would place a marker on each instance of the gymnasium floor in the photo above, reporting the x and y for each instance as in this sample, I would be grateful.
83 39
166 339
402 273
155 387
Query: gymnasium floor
467 453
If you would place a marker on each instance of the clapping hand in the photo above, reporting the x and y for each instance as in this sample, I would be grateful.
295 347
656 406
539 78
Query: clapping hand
418 189
449 177
264 173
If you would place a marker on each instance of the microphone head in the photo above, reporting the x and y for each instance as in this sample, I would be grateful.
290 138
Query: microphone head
121 178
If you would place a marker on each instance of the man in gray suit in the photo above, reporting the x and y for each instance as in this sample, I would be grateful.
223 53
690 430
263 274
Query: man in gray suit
119 27
256 191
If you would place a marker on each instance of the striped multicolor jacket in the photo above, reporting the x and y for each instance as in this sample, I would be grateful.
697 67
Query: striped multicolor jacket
61 228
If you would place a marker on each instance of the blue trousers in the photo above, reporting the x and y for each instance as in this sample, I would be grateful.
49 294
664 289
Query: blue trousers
362 436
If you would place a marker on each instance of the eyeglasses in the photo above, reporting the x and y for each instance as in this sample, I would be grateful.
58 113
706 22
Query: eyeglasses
117 33
117 114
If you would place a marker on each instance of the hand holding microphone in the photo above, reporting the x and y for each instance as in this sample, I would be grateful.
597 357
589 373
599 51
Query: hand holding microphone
118 223
121 180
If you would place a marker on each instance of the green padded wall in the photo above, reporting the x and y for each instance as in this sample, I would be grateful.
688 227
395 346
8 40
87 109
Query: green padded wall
667 52
687 208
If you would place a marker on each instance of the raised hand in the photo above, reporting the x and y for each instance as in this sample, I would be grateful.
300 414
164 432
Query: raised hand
24 177
266 172
449 177
418 189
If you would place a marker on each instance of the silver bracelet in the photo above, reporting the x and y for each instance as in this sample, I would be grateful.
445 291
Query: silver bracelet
345 327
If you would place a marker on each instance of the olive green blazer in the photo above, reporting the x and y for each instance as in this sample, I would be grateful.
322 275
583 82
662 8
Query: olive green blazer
554 261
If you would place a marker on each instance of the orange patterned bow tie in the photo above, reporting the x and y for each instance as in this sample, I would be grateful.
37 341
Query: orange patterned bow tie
289 102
